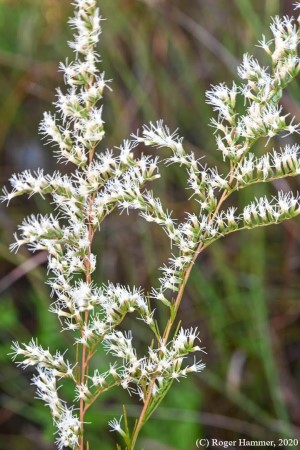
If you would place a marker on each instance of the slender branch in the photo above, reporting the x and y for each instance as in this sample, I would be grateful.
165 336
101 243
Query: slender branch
88 405
177 303
84 360
84 369
142 415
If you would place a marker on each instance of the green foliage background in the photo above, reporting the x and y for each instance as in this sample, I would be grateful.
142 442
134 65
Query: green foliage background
244 292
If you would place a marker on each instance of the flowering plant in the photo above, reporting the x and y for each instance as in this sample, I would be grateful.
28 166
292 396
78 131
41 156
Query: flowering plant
104 181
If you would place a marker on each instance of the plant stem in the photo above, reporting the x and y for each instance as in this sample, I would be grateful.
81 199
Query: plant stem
83 373
177 303
142 415
88 278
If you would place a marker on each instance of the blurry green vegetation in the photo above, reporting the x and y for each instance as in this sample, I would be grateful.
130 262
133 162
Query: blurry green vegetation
244 292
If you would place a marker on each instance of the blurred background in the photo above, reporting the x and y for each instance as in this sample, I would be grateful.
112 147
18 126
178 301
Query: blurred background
243 293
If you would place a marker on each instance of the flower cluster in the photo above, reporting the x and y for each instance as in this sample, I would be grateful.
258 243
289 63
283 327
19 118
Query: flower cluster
261 90
108 180
160 367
